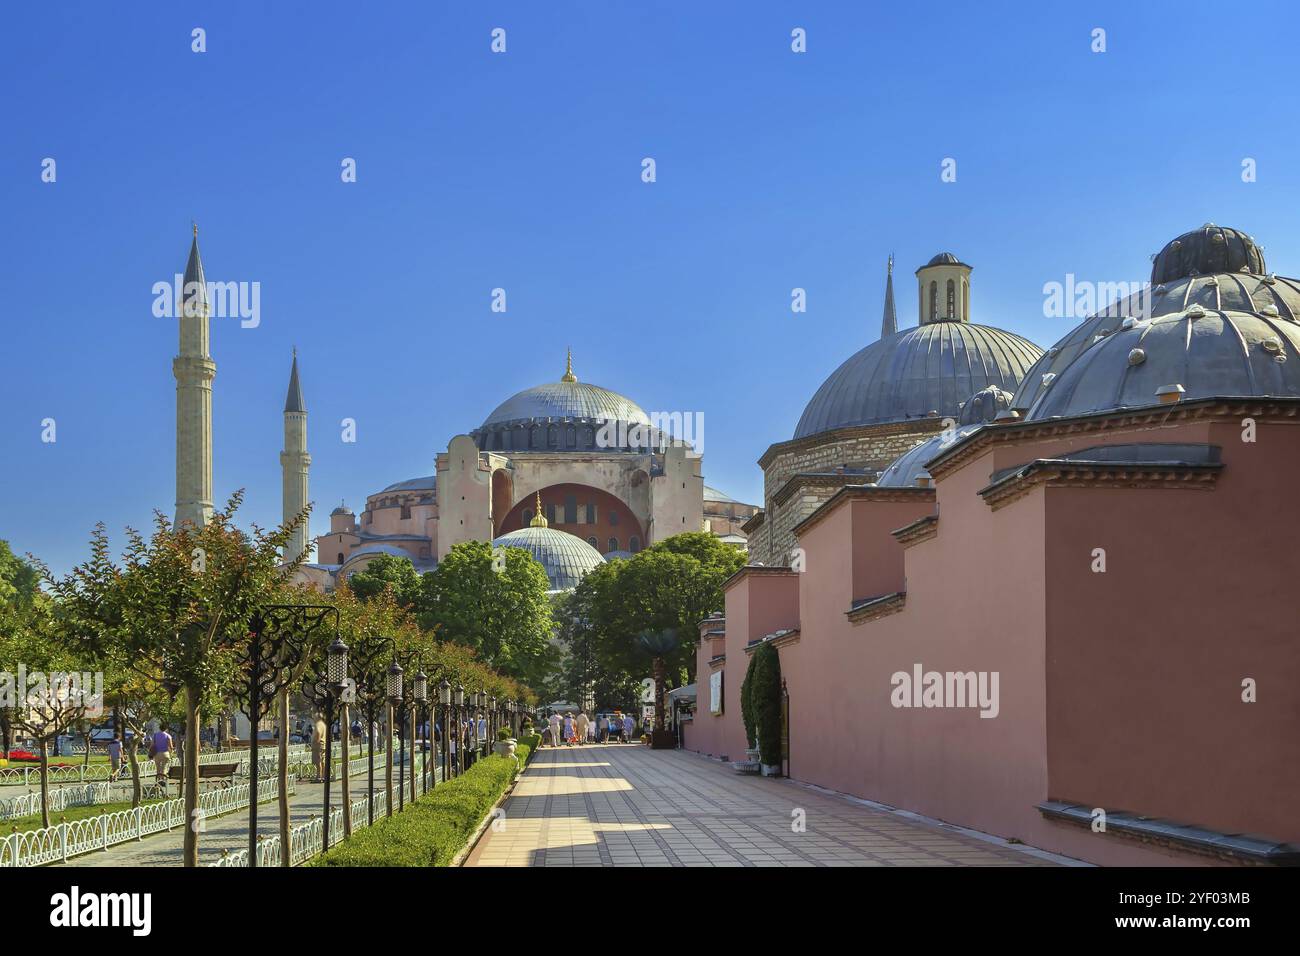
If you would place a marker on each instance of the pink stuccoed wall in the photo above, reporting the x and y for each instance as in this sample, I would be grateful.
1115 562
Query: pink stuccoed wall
759 601
1119 690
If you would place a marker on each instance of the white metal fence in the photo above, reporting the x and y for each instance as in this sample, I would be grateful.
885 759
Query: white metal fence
305 838
59 843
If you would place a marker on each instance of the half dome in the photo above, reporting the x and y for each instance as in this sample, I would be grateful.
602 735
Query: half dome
924 371
565 557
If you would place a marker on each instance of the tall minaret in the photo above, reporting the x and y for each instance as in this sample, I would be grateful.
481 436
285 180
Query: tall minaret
889 324
294 464
194 371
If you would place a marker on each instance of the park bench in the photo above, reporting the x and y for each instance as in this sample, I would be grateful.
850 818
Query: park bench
223 773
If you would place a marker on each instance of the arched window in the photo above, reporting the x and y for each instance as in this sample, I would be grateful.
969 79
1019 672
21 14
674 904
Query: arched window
553 437
952 299
613 545
340 557
550 513
934 300
634 544
613 517
528 517
591 513
571 437
592 541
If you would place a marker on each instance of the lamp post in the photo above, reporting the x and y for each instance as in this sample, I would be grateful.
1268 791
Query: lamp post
458 701
421 696
394 702
444 698
371 678
325 691
410 711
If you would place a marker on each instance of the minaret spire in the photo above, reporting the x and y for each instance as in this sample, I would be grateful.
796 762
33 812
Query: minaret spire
295 464
194 371
889 324
568 375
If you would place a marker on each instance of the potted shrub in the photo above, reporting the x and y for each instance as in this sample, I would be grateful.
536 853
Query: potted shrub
505 745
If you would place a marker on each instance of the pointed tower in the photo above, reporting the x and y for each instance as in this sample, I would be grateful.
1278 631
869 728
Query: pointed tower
889 324
194 371
294 465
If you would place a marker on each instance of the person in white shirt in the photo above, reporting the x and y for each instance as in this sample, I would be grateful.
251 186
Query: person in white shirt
555 730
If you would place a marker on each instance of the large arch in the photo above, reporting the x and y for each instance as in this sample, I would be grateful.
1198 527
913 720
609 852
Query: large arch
582 511
503 488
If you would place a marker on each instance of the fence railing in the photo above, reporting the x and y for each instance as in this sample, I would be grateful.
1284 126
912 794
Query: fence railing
59 843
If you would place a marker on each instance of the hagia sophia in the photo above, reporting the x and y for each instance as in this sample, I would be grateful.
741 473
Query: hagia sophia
1105 528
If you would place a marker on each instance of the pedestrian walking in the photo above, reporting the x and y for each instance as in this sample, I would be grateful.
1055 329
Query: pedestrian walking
161 750
583 724
629 726
115 756
555 729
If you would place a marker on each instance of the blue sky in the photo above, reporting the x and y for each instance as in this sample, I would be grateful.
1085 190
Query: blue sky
522 171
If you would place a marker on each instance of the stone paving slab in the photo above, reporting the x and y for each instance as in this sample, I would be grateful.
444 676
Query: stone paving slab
628 805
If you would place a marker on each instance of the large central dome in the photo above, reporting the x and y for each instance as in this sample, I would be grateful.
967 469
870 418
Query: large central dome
914 374
567 400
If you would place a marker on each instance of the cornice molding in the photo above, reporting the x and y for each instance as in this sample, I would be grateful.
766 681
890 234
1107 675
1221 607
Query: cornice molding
1061 473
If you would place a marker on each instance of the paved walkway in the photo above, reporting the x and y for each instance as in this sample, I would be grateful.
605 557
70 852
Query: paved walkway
627 805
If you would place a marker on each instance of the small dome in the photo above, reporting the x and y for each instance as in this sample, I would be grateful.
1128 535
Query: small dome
908 469
1198 353
944 259
341 510
922 372
1207 250
984 405
1231 292
565 557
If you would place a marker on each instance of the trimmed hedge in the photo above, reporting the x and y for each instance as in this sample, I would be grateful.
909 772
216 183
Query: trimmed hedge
747 704
765 699
437 826
531 742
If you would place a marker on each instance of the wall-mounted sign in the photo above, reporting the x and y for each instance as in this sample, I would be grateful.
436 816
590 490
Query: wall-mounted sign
715 692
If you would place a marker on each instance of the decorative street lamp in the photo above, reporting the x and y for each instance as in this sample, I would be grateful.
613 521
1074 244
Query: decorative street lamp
421 696
325 690
494 720
458 699
371 676
444 698
394 702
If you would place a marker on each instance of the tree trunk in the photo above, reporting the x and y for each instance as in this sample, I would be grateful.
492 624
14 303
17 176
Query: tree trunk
345 754
45 785
659 672
284 778
190 779
85 735
388 759
133 757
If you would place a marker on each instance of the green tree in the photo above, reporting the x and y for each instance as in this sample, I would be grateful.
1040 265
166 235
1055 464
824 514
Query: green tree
388 572
19 579
189 594
672 585
496 605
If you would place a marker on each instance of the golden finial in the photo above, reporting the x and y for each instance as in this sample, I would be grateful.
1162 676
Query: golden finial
568 375
539 519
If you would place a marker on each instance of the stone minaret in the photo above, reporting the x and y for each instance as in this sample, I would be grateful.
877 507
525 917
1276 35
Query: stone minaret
194 371
294 464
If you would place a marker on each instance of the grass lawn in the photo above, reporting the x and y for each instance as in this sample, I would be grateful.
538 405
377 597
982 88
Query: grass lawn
33 821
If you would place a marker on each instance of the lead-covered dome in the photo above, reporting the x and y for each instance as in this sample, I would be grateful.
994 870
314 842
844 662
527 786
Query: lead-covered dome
1205 251
918 373
1196 353
908 469
566 416
565 558
1234 291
